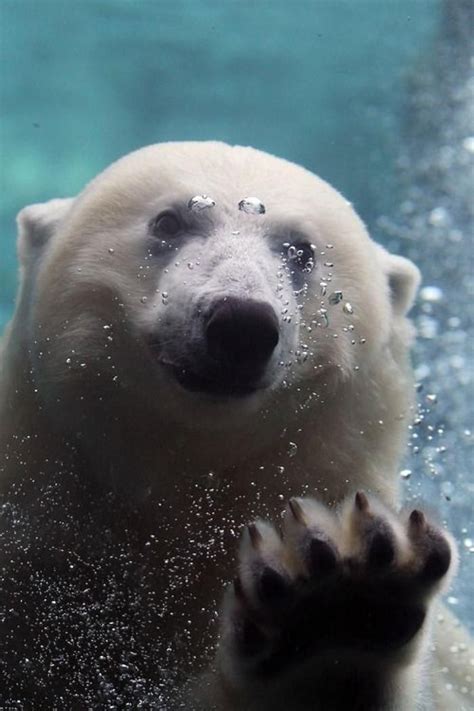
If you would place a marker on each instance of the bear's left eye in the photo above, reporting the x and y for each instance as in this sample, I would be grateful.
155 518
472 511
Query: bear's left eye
167 223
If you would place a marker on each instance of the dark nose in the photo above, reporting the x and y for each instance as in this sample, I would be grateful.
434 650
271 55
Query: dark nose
242 333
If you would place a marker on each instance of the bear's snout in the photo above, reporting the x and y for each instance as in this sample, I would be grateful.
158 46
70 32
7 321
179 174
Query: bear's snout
241 334
237 338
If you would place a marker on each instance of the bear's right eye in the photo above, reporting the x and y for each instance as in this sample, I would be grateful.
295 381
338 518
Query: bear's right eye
167 223
301 255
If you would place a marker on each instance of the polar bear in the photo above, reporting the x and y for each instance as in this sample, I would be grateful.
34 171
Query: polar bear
205 332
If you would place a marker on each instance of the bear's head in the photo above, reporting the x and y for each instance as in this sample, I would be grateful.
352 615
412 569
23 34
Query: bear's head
200 283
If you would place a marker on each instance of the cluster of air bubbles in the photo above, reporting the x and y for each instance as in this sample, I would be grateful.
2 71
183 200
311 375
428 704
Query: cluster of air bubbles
297 257
112 656
198 203
302 355
164 298
426 431
303 290
287 316
252 206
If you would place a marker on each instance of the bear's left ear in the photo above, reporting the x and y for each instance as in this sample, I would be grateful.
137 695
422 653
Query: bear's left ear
403 280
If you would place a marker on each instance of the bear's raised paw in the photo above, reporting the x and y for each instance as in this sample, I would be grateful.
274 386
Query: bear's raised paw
352 585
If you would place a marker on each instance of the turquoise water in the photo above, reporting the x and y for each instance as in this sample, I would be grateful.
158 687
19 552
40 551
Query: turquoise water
369 94
320 83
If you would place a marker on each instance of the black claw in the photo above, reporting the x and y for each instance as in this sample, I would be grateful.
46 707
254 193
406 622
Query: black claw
296 510
255 535
381 550
438 562
273 587
322 557
417 520
361 501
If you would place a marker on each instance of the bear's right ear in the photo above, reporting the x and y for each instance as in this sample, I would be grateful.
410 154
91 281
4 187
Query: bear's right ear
403 280
36 225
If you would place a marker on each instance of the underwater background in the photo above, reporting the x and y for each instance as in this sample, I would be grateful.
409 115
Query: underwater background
374 96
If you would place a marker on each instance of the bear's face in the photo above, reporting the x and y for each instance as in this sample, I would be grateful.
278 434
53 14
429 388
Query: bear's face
201 273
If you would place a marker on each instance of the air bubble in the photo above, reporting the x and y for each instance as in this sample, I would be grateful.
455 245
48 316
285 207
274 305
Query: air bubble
200 202
324 318
405 473
292 449
335 297
438 217
348 308
252 206
432 294
468 144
